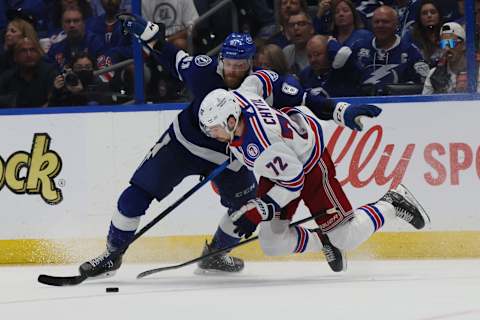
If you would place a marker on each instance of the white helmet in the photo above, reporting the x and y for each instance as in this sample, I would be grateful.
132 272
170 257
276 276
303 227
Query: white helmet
216 108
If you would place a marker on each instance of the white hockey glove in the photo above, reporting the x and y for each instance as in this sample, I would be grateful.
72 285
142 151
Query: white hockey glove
140 28
350 115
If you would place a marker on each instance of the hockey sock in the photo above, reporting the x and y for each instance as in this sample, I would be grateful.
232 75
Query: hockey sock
224 236
307 241
132 204
118 238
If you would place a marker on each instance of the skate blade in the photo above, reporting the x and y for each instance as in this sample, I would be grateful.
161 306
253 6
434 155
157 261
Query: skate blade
105 275
412 199
213 272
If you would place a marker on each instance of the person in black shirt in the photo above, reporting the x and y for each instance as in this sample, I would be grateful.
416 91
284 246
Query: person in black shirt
29 82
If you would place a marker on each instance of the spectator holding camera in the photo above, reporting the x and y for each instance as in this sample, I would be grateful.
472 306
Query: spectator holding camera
450 74
29 82
79 86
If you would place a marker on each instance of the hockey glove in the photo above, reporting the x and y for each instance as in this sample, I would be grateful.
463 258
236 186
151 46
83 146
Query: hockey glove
350 115
140 28
247 218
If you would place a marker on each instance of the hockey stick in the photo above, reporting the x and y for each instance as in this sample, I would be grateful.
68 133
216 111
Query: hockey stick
208 255
74 280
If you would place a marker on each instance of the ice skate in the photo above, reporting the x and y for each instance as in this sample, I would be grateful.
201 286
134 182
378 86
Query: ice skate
220 263
407 207
337 259
107 270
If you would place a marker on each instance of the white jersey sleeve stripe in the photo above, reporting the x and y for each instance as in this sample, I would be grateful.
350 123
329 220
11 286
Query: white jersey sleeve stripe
178 59
267 81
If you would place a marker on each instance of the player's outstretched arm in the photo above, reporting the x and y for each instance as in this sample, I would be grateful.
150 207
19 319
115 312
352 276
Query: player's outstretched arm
343 113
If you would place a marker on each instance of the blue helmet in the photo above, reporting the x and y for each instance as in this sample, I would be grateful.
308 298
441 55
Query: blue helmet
238 46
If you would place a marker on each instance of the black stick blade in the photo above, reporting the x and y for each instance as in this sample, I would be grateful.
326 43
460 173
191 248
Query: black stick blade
156 270
61 281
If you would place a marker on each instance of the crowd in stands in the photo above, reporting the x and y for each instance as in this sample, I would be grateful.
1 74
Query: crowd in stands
52 52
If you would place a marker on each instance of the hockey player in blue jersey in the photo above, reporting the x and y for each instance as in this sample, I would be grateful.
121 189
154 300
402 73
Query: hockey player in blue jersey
184 150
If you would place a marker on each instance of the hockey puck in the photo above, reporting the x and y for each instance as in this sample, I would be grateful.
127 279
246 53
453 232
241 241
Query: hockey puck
112 289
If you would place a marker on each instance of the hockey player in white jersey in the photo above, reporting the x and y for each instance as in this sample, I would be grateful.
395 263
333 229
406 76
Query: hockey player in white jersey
286 149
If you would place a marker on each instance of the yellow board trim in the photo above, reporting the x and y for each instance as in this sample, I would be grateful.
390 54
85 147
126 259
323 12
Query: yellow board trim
383 245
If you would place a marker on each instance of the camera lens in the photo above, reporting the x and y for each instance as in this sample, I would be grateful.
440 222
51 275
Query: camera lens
71 79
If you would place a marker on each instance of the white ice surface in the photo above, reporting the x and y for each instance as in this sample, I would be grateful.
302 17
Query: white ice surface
389 290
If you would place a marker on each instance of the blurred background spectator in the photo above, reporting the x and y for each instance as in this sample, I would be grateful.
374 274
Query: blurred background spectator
299 31
16 30
79 86
425 32
387 59
378 56
283 10
58 8
450 74
77 39
116 46
323 76
347 26
29 82
177 15
271 57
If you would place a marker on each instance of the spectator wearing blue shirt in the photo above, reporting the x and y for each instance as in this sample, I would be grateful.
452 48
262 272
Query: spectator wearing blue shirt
326 75
77 40
425 33
107 29
347 26
387 59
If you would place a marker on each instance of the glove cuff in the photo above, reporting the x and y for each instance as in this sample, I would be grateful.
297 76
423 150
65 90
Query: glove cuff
150 31
339 113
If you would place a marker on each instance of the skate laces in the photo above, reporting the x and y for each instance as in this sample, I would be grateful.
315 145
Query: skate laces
96 261
404 214
227 259
329 253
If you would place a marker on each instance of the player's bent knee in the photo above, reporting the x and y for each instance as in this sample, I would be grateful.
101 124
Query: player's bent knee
134 201
343 238
274 239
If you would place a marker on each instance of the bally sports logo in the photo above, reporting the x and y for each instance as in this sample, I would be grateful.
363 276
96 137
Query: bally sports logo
34 172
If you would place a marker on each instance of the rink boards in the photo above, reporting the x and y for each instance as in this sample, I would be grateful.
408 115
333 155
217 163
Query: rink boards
61 173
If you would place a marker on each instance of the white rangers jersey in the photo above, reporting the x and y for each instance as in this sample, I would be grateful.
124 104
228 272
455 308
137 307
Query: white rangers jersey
282 146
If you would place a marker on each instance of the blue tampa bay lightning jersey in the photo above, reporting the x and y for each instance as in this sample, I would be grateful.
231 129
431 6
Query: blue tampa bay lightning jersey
401 63
201 74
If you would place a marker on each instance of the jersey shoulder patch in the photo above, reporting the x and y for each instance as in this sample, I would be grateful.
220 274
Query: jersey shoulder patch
289 89
202 60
